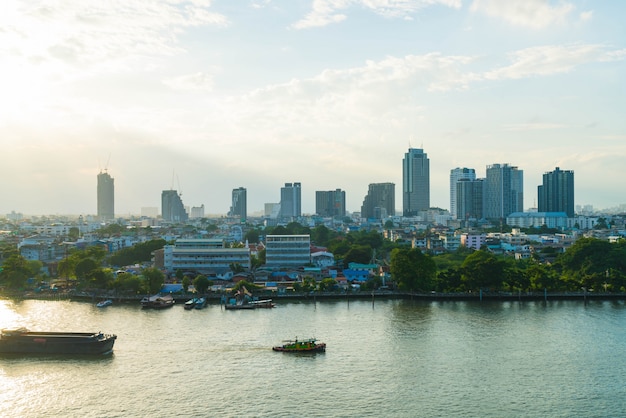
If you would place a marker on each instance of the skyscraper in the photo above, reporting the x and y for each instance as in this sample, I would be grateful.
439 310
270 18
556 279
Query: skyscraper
504 191
469 198
556 194
415 182
380 201
457 174
331 203
172 207
106 197
239 206
290 200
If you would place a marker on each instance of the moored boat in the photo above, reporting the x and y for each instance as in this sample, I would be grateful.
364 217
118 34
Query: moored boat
157 301
104 303
23 341
309 345
200 303
190 304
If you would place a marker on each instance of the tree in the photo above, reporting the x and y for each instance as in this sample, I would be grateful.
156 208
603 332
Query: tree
85 267
186 283
361 254
482 269
15 272
154 279
201 283
412 269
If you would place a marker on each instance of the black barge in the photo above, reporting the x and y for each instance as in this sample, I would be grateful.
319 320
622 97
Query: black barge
23 341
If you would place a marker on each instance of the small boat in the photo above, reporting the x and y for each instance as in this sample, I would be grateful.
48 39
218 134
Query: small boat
23 341
104 303
309 345
157 301
190 304
200 303
264 303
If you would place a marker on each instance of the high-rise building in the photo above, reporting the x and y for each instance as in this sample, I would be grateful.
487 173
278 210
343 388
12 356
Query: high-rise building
239 207
380 201
172 208
457 174
106 197
290 201
469 198
331 203
556 194
415 182
504 191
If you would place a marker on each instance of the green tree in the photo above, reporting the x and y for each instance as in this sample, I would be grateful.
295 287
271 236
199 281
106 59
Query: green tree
361 254
186 283
327 284
412 270
482 270
15 272
201 283
85 268
154 279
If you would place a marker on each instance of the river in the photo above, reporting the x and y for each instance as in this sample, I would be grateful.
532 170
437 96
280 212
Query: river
387 358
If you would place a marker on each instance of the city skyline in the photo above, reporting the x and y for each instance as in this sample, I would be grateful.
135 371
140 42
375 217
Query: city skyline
331 94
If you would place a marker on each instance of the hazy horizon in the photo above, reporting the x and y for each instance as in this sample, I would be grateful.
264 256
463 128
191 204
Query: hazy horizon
206 96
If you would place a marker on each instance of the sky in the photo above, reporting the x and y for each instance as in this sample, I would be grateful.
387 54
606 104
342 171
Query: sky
207 96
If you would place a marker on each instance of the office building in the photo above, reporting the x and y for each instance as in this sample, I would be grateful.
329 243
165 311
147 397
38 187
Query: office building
504 191
469 198
239 207
106 197
172 208
415 182
287 251
380 201
457 174
330 203
556 194
290 201
204 256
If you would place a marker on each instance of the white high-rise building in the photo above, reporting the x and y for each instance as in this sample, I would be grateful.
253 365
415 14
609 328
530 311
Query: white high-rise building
457 174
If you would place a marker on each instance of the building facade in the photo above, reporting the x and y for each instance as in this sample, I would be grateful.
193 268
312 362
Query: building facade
469 198
380 201
239 206
556 194
287 251
415 182
172 208
457 174
331 203
204 256
106 197
291 200
504 191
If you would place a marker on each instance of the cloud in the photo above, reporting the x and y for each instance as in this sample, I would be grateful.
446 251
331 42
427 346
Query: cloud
551 59
326 12
534 14
197 81
101 34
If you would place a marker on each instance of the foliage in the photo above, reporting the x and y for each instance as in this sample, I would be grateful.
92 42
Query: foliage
138 253
154 279
361 254
15 272
128 283
186 283
327 284
482 270
201 283
412 269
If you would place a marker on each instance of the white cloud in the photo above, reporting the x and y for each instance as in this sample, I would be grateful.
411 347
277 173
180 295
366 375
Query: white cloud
551 59
196 81
585 16
535 14
326 12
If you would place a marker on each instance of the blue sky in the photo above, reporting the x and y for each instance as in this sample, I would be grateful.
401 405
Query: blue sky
207 96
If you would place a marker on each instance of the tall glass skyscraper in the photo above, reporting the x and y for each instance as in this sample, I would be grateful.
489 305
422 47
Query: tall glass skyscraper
556 194
457 174
291 200
415 182
504 191
106 197
330 203
172 208
239 206
380 201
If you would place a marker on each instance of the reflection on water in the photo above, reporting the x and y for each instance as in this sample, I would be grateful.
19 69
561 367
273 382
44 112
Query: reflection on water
387 358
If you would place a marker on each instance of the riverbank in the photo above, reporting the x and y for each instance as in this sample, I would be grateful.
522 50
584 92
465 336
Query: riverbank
321 296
